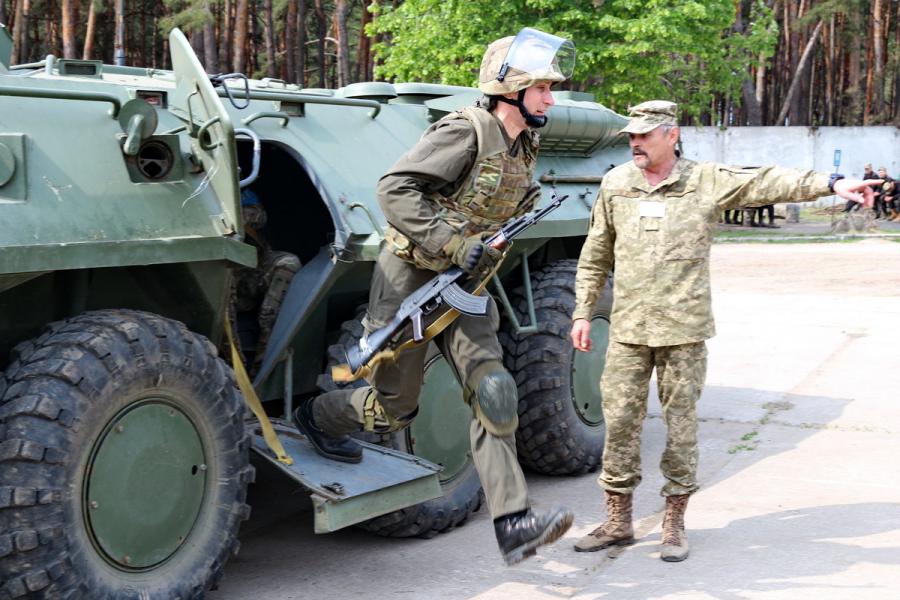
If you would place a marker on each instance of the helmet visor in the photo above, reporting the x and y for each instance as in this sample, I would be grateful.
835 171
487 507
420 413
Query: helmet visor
542 55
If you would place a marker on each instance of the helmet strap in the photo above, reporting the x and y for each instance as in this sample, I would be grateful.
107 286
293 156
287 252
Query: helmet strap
531 120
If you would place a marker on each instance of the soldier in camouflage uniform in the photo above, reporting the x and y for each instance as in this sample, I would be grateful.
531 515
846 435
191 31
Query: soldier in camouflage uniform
261 289
653 221
468 174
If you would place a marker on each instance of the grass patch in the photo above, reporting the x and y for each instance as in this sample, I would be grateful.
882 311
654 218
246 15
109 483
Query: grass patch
815 238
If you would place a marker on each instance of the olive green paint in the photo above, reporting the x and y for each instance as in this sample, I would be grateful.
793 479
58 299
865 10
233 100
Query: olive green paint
7 164
13 170
81 227
5 48
331 516
145 485
440 432
587 367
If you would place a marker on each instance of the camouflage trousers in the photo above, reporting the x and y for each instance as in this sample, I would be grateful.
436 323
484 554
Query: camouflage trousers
391 400
680 373
263 289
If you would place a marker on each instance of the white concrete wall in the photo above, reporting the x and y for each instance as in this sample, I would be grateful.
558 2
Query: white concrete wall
799 147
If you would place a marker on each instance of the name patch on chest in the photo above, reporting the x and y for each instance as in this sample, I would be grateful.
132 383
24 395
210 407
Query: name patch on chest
652 209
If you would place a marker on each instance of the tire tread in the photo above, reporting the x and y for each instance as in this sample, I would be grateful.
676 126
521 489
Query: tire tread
53 379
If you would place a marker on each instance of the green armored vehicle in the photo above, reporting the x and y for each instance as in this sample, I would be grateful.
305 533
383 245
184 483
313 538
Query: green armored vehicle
124 440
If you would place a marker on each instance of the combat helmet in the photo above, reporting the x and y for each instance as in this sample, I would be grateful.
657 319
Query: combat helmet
515 63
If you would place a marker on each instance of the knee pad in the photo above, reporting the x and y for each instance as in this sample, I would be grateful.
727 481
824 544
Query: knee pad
495 399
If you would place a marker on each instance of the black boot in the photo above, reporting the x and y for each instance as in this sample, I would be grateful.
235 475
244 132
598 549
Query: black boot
520 534
343 448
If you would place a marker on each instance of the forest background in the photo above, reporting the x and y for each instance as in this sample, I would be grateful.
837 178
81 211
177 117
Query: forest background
726 62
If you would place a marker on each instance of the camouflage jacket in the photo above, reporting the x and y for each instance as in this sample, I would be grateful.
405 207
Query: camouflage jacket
657 240
463 176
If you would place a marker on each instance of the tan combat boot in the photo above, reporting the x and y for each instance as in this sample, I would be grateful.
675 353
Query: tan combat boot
674 540
616 531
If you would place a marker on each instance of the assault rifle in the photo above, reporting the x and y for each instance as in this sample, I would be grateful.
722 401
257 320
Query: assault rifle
443 289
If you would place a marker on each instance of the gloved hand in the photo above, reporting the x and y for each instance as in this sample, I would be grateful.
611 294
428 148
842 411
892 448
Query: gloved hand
472 254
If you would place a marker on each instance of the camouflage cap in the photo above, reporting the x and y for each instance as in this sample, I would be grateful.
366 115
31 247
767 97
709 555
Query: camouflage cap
647 116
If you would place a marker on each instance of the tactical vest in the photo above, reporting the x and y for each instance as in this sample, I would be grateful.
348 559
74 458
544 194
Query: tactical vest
491 194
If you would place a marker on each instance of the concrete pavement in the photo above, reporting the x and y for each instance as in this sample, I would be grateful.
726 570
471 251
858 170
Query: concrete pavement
800 437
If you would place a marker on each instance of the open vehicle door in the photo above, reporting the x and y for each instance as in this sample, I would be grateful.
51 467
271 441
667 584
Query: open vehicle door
212 134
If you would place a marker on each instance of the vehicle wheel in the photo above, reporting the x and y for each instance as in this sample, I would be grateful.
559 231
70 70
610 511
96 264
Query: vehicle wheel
125 461
439 433
561 427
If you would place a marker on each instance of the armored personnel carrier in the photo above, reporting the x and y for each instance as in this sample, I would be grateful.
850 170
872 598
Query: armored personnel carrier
124 440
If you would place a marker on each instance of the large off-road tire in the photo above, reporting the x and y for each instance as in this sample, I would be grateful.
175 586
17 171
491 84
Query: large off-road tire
439 433
561 428
125 461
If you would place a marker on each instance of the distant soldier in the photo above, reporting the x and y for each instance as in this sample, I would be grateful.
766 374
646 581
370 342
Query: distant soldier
868 173
653 220
468 174
884 195
261 289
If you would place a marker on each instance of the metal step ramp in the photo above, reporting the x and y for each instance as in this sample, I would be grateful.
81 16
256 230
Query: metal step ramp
344 494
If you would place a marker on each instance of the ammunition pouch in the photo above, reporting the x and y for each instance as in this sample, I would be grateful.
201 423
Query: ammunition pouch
377 420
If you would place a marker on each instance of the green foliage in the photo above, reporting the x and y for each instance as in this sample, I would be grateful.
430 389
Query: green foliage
628 50
189 15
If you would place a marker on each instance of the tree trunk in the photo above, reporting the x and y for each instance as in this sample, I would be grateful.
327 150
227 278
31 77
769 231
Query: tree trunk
301 42
797 113
195 37
119 43
270 38
321 31
749 103
227 37
870 73
797 75
16 31
240 37
363 68
154 45
20 32
253 37
290 42
341 10
760 95
829 74
878 51
89 32
211 61
895 100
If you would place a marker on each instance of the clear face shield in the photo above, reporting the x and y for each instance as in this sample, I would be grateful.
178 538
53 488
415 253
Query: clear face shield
543 55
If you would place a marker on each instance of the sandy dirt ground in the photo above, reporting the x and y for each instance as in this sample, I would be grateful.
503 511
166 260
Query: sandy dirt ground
863 268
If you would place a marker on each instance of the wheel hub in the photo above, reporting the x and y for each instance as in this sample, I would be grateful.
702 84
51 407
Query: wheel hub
440 432
145 484
587 367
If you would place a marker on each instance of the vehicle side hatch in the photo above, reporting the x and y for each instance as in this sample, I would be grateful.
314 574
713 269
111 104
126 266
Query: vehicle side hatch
212 134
